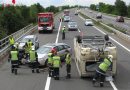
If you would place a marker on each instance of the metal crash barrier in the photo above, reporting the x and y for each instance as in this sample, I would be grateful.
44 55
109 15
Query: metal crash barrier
4 43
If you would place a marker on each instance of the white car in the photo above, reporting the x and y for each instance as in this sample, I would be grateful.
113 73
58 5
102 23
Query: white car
88 22
66 18
45 49
25 39
72 25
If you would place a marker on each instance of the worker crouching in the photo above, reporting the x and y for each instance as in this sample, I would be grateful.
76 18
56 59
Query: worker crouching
33 61
56 65
102 69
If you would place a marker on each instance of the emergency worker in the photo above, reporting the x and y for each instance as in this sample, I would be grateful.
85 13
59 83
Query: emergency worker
56 66
33 59
63 32
50 62
11 41
102 69
68 64
14 58
28 47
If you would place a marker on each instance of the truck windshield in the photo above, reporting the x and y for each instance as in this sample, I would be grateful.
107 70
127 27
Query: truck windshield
43 19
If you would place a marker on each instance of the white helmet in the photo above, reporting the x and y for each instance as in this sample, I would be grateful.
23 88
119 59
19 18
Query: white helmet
33 49
110 57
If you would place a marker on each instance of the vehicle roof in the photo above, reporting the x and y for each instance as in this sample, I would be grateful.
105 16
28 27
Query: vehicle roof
54 44
29 36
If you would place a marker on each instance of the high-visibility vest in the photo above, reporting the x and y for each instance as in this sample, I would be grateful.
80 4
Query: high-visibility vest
63 30
29 44
105 65
11 40
50 58
56 61
32 55
68 59
14 55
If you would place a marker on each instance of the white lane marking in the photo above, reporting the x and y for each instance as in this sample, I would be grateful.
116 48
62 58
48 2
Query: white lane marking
58 33
112 83
113 40
48 81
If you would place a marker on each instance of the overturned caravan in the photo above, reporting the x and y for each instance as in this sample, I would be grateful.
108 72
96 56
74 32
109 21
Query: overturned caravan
87 53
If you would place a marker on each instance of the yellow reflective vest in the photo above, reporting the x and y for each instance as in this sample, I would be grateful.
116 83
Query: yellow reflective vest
14 55
105 65
56 61
50 58
68 58
11 41
32 56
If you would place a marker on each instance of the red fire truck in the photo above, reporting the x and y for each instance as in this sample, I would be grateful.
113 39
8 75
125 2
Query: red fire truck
45 22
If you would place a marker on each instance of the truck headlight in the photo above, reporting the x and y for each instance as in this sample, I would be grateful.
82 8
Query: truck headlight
49 28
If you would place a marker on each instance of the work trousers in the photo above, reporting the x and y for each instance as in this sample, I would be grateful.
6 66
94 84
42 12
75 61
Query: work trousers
99 75
56 73
63 35
50 70
68 69
14 64
34 65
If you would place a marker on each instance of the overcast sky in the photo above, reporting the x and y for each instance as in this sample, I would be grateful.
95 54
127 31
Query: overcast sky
46 3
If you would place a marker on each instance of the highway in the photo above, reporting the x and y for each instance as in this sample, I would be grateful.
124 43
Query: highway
108 19
25 80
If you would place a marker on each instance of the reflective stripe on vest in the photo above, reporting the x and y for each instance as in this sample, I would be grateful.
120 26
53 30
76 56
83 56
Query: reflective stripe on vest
50 59
68 59
105 65
56 61
32 56
14 55
29 44
11 40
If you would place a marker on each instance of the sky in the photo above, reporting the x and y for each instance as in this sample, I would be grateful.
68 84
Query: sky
46 3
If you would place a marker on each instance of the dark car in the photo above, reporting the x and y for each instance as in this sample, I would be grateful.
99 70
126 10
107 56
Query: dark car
99 16
120 19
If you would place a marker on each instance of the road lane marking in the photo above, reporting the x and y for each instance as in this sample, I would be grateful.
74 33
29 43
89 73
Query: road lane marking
113 85
113 40
111 82
48 81
58 33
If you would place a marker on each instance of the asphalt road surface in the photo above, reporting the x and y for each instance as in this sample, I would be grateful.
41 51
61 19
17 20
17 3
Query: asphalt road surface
25 80
108 19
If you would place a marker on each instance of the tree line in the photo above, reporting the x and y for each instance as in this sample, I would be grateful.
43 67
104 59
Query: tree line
119 8
13 18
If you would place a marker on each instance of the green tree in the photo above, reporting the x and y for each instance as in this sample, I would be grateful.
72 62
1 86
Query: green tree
128 10
93 6
121 8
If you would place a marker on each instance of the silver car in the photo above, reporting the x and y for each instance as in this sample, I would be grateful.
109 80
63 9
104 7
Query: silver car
66 18
72 25
45 49
25 39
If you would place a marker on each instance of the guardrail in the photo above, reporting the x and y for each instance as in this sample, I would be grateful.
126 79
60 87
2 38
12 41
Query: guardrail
118 33
4 43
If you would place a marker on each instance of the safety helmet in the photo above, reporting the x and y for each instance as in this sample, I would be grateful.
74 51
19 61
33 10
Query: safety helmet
53 50
110 57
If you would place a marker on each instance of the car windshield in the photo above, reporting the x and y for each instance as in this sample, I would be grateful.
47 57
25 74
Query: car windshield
72 23
44 50
26 39
43 19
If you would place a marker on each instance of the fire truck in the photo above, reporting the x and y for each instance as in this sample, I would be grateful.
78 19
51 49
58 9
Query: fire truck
45 22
